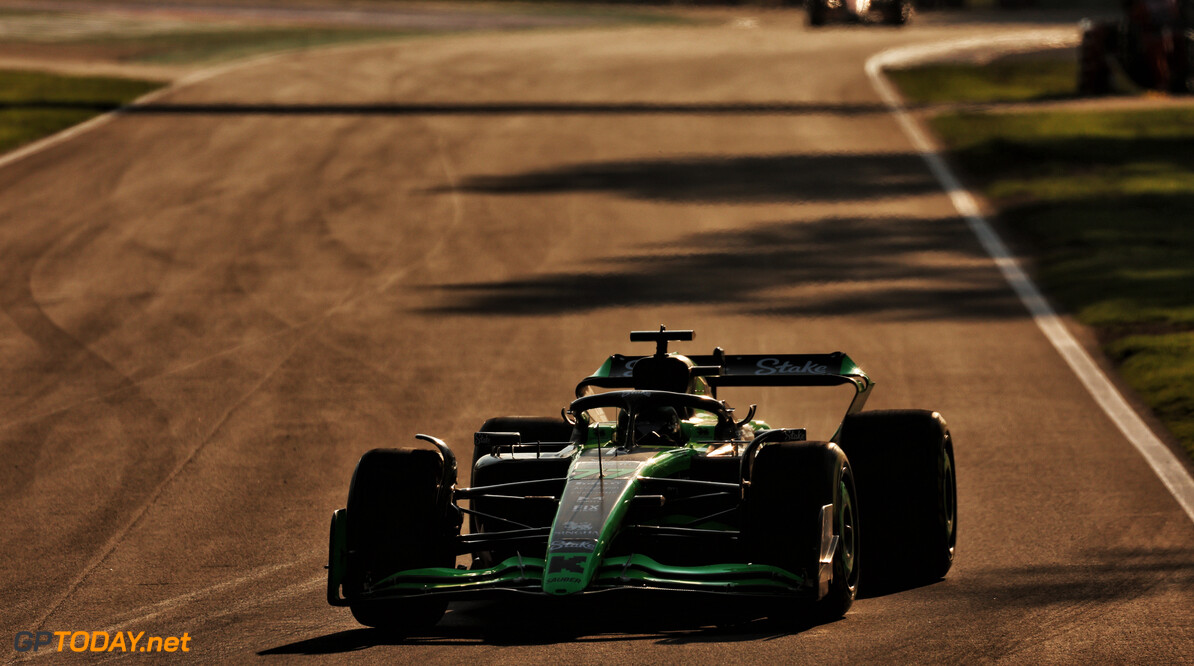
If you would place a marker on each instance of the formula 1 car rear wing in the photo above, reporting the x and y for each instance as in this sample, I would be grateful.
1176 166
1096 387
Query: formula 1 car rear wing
721 369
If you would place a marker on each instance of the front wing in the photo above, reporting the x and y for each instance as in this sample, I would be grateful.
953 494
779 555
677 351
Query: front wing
524 575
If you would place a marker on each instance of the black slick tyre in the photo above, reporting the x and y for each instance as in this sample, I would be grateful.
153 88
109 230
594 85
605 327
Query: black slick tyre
398 518
789 483
903 463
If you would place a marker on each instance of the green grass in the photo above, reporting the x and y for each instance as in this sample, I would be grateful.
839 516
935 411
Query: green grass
1102 204
1104 199
1004 80
1159 367
34 104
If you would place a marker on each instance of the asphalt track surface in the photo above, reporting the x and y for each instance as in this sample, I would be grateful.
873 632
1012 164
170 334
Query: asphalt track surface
213 306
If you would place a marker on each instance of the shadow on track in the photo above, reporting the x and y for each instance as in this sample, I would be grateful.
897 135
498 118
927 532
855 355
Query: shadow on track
894 267
504 108
594 621
739 179
55 105
1096 577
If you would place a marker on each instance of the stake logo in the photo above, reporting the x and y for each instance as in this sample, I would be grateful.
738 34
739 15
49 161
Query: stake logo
774 366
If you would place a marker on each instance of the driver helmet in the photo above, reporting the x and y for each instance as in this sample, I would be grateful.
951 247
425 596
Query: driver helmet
659 426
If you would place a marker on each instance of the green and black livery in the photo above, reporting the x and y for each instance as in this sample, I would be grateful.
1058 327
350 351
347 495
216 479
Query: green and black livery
648 482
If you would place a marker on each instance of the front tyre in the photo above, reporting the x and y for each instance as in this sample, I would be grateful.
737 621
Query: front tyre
399 615
399 517
790 482
844 584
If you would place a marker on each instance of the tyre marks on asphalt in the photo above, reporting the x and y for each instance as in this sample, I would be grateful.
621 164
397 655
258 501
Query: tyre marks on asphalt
149 439
209 605
122 411
144 505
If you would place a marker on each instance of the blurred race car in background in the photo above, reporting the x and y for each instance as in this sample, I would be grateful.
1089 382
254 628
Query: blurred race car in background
1152 43
889 12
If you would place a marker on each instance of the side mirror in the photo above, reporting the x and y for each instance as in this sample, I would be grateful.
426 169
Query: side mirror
749 415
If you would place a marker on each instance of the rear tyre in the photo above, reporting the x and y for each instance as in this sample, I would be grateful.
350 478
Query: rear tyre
399 517
789 483
529 429
904 465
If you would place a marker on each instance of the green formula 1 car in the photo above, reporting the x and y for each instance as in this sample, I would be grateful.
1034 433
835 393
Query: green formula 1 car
648 482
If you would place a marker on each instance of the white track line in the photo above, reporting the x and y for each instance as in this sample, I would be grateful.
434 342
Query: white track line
1162 460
